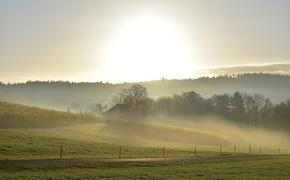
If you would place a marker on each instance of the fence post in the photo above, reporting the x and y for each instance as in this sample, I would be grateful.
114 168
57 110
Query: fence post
120 151
220 150
235 149
279 150
195 152
60 153
163 152
260 150
250 149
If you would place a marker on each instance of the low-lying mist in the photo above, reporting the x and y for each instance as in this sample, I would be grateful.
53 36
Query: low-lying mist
185 133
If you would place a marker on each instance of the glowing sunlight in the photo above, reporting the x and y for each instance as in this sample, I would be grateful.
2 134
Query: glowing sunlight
148 47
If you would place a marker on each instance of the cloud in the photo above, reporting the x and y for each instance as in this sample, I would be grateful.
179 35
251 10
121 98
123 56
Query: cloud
275 68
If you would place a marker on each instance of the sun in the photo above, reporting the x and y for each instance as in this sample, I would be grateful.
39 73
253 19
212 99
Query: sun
147 48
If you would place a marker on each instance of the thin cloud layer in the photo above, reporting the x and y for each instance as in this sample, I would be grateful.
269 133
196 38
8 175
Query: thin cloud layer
275 68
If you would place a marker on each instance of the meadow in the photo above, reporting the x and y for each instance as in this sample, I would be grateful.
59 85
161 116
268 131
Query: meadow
91 149
258 167
45 144
91 141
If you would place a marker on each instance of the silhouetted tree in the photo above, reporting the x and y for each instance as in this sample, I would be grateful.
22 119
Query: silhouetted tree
282 113
238 108
192 102
163 105
136 97
221 104
253 105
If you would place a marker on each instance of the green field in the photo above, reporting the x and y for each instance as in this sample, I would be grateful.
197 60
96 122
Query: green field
87 146
21 116
261 167
45 143
87 141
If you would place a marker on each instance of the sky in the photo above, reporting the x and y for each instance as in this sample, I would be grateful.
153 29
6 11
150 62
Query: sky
137 40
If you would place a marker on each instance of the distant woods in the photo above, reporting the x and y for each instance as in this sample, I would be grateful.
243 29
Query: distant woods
254 110
83 96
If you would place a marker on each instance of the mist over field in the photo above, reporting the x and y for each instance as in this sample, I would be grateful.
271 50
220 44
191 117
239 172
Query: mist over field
185 133
132 117
207 132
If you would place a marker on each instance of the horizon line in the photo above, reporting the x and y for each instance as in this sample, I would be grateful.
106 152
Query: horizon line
233 75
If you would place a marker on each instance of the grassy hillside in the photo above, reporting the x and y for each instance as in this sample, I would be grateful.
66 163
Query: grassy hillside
96 140
82 137
102 140
30 132
20 116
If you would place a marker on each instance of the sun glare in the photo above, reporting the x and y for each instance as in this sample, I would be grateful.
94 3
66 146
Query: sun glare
146 48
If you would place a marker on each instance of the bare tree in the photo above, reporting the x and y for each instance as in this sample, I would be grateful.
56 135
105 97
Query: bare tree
135 97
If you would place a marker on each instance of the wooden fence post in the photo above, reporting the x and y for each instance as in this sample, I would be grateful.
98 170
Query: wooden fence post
260 150
279 151
163 152
60 153
220 150
120 151
235 149
195 152
250 149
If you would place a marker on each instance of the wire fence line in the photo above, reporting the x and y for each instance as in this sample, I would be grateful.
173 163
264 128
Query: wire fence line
68 151
123 151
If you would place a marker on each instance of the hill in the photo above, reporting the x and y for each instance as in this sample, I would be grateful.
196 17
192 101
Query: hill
83 96
20 116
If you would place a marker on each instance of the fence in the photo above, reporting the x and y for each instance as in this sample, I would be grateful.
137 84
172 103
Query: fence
124 152
72 150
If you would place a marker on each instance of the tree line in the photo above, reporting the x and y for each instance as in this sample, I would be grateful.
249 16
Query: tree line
82 96
254 110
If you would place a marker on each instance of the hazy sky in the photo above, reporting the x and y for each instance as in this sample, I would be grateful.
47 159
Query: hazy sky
131 40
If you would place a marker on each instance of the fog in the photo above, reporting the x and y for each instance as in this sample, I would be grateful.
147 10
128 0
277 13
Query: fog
208 133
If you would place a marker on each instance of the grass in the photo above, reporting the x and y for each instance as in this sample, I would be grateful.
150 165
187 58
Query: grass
21 116
88 141
259 167
100 140
45 144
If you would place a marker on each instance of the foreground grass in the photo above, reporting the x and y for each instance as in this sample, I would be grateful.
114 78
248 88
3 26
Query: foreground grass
83 142
89 141
45 144
260 167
